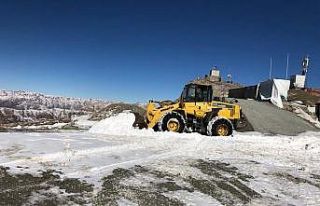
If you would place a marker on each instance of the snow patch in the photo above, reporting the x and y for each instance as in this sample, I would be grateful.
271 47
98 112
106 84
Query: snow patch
93 156
307 117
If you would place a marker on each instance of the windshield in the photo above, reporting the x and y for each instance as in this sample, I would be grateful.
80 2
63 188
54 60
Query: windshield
192 93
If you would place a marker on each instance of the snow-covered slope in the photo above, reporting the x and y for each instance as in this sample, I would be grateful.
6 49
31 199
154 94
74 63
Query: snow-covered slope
22 100
22 106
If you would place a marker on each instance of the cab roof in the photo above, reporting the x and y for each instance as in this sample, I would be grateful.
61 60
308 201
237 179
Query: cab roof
199 84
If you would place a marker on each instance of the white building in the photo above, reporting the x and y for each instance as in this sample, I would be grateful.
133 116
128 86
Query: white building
298 81
274 90
214 75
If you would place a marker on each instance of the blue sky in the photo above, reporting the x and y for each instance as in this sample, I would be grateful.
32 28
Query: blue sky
138 50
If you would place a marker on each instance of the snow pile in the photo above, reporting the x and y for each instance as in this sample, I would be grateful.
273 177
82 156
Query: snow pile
120 124
83 121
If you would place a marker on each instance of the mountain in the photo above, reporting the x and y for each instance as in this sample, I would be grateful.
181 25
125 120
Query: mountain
31 107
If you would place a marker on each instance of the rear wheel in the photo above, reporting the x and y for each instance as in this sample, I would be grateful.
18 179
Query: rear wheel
219 127
173 122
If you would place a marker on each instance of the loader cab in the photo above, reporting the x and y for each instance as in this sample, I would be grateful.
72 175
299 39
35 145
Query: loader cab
196 93
196 100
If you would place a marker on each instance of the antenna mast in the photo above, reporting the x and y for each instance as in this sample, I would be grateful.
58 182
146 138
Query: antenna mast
270 69
287 67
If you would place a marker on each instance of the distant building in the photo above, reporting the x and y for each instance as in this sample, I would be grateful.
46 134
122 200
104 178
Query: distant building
298 81
220 88
273 90
215 75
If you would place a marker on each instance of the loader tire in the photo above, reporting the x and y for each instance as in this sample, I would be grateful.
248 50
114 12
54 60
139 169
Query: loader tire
173 122
156 128
219 127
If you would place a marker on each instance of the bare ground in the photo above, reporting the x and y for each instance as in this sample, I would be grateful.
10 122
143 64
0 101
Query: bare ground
223 182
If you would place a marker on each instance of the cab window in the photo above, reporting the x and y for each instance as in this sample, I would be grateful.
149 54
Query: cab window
203 94
189 93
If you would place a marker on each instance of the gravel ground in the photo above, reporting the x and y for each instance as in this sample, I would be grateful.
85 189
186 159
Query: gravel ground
223 183
267 118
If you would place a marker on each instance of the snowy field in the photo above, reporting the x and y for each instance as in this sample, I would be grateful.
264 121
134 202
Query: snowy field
119 165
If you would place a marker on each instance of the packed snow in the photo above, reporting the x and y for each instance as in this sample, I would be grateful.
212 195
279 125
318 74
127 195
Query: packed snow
82 121
119 124
113 143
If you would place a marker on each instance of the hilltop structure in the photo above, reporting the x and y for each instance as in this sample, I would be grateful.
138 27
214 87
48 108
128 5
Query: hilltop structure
219 86
214 75
299 80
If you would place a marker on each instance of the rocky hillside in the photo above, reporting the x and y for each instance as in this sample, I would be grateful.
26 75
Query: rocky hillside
22 100
309 98
29 107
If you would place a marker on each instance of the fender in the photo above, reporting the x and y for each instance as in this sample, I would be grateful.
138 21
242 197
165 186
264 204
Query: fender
211 115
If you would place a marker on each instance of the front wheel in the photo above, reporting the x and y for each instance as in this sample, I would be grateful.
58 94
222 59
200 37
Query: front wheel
219 127
173 122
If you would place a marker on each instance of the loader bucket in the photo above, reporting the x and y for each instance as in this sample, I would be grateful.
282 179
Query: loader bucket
139 121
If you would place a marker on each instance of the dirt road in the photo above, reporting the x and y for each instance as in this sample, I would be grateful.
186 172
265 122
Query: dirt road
267 118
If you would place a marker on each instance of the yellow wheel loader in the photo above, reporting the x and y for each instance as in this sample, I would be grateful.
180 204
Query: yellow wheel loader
196 111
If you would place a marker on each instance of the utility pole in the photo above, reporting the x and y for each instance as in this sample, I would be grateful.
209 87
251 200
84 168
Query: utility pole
305 68
270 69
287 67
